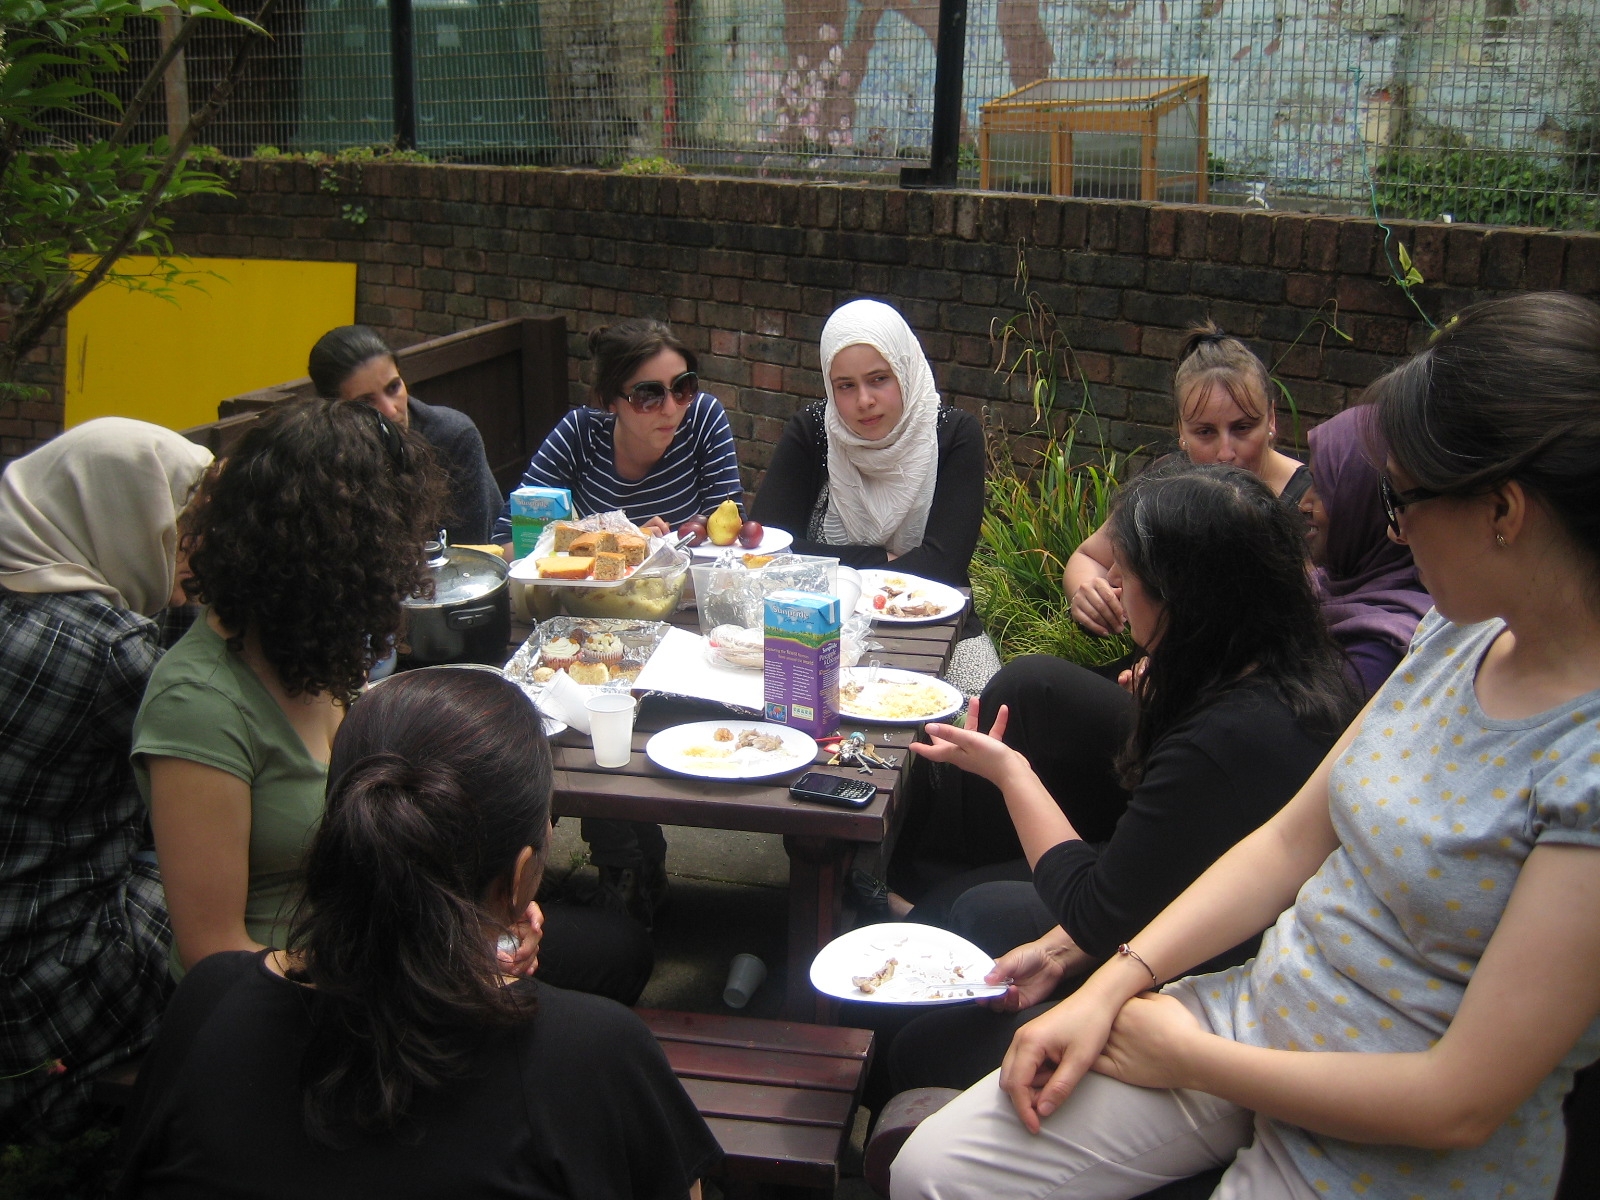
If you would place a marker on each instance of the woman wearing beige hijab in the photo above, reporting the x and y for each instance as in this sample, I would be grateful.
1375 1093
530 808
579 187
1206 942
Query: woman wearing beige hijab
88 541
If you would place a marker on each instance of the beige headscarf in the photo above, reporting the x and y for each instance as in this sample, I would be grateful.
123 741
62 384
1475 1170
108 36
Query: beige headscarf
96 510
879 491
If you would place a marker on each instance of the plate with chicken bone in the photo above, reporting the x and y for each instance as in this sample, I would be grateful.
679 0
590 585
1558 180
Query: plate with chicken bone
900 962
898 599
731 749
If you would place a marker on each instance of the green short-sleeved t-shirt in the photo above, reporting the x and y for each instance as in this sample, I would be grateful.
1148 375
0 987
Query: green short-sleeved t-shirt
205 704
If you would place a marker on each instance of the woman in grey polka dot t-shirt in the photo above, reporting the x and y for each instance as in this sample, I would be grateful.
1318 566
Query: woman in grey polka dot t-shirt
1414 1017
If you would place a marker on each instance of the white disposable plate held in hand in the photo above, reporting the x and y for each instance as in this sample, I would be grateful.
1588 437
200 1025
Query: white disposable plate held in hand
772 540
910 591
932 966
695 749
883 687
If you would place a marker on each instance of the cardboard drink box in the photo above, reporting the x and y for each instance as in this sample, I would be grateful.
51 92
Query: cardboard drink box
800 670
532 508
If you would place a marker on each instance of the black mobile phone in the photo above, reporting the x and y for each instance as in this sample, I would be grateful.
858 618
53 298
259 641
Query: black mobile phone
834 789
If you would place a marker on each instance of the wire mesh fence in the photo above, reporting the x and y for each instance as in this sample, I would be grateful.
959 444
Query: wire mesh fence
1487 110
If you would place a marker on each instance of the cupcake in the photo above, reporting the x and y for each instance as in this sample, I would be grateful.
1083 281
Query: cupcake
542 675
590 673
559 653
628 669
603 648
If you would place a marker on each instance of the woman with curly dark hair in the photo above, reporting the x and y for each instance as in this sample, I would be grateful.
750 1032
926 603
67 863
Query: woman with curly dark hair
303 544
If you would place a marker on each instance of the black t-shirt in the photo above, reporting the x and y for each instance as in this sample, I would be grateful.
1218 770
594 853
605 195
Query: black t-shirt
579 1101
1210 782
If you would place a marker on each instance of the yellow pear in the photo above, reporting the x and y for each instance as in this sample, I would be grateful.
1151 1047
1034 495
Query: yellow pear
723 525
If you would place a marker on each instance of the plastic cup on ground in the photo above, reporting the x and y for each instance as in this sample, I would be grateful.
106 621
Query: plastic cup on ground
745 974
611 728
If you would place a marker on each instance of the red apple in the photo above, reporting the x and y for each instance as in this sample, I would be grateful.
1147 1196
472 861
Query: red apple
694 529
750 534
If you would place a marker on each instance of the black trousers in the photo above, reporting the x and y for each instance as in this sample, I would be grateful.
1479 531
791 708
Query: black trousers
590 950
1070 724
614 843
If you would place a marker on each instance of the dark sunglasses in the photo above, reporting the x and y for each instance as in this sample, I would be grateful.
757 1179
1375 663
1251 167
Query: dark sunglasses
650 394
394 443
1395 503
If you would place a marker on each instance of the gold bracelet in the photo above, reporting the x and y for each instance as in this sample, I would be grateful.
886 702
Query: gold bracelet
1128 951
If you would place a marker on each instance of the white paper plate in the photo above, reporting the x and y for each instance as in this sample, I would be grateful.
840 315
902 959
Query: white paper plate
913 588
888 679
772 541
932 966
670 750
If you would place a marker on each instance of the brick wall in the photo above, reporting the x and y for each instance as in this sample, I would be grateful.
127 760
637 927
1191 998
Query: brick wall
748 271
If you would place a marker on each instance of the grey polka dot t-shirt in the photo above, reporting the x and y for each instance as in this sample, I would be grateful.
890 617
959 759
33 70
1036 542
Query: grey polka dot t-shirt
1436 807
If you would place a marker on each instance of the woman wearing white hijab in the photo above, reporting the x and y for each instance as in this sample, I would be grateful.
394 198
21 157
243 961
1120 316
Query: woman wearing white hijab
881 471
88 556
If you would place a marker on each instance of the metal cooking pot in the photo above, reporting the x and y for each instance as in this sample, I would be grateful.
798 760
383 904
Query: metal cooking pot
468 620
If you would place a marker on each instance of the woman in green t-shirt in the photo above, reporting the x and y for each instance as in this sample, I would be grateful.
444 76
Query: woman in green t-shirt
303 544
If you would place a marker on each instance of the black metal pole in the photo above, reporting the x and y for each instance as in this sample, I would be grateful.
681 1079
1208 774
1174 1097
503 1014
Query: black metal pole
944 151
403 72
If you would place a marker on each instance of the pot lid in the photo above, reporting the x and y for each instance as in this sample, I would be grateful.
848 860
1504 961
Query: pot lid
459 575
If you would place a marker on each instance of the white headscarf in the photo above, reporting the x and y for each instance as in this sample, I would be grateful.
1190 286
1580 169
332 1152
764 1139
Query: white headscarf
879 491
96 510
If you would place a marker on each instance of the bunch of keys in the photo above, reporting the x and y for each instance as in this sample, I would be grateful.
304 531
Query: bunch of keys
856 751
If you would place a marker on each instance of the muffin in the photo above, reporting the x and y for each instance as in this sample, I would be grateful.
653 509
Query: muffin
544 674
587 672
628 669
603 648
559 653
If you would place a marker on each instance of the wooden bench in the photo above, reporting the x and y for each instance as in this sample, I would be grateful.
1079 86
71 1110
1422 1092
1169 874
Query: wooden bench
780 1096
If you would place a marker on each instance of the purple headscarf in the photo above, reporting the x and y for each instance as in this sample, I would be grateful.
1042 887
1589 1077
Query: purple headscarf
1369 587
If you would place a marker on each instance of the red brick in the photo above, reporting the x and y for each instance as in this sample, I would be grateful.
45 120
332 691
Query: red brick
1255 237
1161 233
766 376
1308 291
1583 264
1192 227
1222 237
1463 257
1504 252
1322 244
1546 255
1288 241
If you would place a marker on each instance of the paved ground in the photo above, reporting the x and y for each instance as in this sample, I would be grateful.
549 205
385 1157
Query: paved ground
729 896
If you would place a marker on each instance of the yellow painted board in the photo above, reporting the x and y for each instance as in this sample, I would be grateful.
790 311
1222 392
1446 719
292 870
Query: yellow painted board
250 324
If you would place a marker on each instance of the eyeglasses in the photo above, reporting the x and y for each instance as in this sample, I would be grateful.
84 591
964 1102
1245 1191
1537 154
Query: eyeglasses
394 443
648 395
1395 503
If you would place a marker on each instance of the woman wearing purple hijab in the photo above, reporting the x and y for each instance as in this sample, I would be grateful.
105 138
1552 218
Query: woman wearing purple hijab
1371 595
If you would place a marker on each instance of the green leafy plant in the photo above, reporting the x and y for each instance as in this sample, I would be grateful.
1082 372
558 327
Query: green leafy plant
72 208
1037 515
1484 186
657 165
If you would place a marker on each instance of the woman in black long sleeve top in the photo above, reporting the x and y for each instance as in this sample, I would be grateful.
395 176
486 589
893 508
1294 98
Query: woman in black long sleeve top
881 472
1117 802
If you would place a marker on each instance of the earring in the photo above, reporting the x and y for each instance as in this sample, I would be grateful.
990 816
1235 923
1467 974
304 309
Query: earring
1182 445
1500 538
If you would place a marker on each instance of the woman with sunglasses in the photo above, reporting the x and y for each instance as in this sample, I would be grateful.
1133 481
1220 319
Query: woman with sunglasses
650 443
1371 596
353 363
1429 978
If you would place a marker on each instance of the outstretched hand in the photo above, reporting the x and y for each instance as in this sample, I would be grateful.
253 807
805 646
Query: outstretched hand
983 754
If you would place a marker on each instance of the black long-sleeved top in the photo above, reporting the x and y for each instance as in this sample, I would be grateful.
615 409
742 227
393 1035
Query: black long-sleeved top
794 496
1211 781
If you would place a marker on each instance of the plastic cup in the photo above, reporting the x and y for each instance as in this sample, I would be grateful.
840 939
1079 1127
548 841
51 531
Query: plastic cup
745 974
611 728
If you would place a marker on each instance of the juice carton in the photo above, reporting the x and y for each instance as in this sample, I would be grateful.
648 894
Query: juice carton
532 508
800 671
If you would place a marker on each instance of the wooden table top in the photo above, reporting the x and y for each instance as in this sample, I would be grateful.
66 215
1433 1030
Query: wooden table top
641 791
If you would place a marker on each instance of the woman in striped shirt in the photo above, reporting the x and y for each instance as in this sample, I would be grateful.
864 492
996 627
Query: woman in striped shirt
650 443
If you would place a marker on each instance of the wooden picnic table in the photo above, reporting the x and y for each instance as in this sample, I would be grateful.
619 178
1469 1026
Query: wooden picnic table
821 841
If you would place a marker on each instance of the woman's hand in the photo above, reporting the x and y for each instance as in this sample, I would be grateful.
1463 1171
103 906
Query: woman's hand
1148 1042
1097 606
983 754
656 526
528 931
1033 970
1128 680
1052 1052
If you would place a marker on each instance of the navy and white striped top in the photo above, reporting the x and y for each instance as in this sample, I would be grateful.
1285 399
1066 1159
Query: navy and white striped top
699 470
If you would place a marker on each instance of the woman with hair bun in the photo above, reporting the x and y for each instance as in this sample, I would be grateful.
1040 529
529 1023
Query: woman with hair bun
400 1045
353 363
1225 415
1429 978
649 443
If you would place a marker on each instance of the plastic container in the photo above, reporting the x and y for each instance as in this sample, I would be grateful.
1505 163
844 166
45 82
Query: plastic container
652 593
